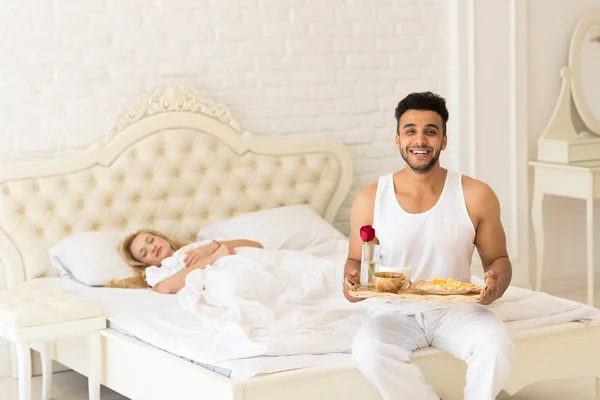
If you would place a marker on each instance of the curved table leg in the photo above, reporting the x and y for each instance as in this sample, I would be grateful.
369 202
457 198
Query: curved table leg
590 250
537 220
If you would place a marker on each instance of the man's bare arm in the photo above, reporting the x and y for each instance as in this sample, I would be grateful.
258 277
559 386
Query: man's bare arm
361 214
490 241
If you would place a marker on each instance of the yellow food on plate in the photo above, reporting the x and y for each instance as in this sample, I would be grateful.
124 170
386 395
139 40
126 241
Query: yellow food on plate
443 284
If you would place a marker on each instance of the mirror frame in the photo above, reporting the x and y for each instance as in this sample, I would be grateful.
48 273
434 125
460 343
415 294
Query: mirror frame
585 112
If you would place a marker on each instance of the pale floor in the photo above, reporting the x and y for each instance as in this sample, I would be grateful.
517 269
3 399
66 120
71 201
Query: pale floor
72 386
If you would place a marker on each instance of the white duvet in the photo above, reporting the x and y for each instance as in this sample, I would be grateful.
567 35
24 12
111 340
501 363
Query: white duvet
239 324
272 302
281 303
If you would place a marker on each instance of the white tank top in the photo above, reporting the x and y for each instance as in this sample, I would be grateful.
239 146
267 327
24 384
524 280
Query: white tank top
436 243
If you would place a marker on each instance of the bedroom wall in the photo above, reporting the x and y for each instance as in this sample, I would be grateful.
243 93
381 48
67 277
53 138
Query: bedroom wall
550 26
286 68
291 68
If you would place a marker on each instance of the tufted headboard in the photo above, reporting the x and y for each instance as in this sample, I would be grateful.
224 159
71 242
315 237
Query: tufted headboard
174 162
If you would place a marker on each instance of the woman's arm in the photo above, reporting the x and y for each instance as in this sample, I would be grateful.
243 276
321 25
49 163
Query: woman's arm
201 252
174 283
232 244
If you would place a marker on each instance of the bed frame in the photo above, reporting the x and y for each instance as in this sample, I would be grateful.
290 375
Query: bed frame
176 161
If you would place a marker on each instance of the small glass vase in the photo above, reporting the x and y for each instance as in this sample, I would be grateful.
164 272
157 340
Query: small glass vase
369 262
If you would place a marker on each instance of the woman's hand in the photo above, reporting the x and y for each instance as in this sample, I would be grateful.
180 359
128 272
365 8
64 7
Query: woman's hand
199 253
195 259
222 251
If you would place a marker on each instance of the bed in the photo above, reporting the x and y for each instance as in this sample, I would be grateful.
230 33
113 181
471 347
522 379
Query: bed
177 161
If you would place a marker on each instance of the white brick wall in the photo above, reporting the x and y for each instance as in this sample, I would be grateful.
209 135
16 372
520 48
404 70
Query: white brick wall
328 68
285 67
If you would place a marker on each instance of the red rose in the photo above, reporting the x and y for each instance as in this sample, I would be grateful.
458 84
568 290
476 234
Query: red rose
367 233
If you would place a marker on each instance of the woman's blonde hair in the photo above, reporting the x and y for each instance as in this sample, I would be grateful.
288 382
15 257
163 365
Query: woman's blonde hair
138 281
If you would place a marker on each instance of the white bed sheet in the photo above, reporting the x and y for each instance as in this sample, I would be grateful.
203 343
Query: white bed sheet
159 320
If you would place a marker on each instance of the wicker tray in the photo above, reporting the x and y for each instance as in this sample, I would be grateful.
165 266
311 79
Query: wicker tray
364 292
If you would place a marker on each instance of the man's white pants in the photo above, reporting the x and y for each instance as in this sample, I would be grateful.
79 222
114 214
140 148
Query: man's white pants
470 332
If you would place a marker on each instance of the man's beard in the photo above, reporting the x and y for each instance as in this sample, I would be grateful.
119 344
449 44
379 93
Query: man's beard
421 169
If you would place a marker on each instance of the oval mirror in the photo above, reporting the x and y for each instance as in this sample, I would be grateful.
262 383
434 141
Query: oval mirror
584 61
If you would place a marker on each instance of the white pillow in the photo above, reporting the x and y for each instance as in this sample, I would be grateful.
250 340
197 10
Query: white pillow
90 257
297 227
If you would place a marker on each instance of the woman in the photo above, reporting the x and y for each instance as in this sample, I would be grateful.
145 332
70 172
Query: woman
162 263
254 302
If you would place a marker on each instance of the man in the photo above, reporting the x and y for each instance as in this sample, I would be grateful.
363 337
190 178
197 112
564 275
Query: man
430 219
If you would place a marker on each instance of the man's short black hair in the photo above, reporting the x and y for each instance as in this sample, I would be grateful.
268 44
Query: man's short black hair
426 101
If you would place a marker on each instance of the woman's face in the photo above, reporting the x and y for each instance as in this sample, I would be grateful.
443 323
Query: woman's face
150 249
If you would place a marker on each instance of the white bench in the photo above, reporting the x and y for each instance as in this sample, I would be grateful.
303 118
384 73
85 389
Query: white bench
36 312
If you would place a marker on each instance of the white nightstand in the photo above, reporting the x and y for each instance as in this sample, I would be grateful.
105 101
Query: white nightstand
576 180
36 312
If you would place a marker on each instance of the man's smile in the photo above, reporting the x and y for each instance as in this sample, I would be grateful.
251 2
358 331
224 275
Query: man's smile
420 153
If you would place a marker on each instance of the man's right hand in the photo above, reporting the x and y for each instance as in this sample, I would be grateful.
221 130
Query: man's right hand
354 277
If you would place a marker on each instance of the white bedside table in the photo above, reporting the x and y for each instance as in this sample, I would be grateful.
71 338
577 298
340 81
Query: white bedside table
576 180
35 312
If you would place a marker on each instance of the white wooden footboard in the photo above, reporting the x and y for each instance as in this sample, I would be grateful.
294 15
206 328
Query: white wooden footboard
566 351
140 371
